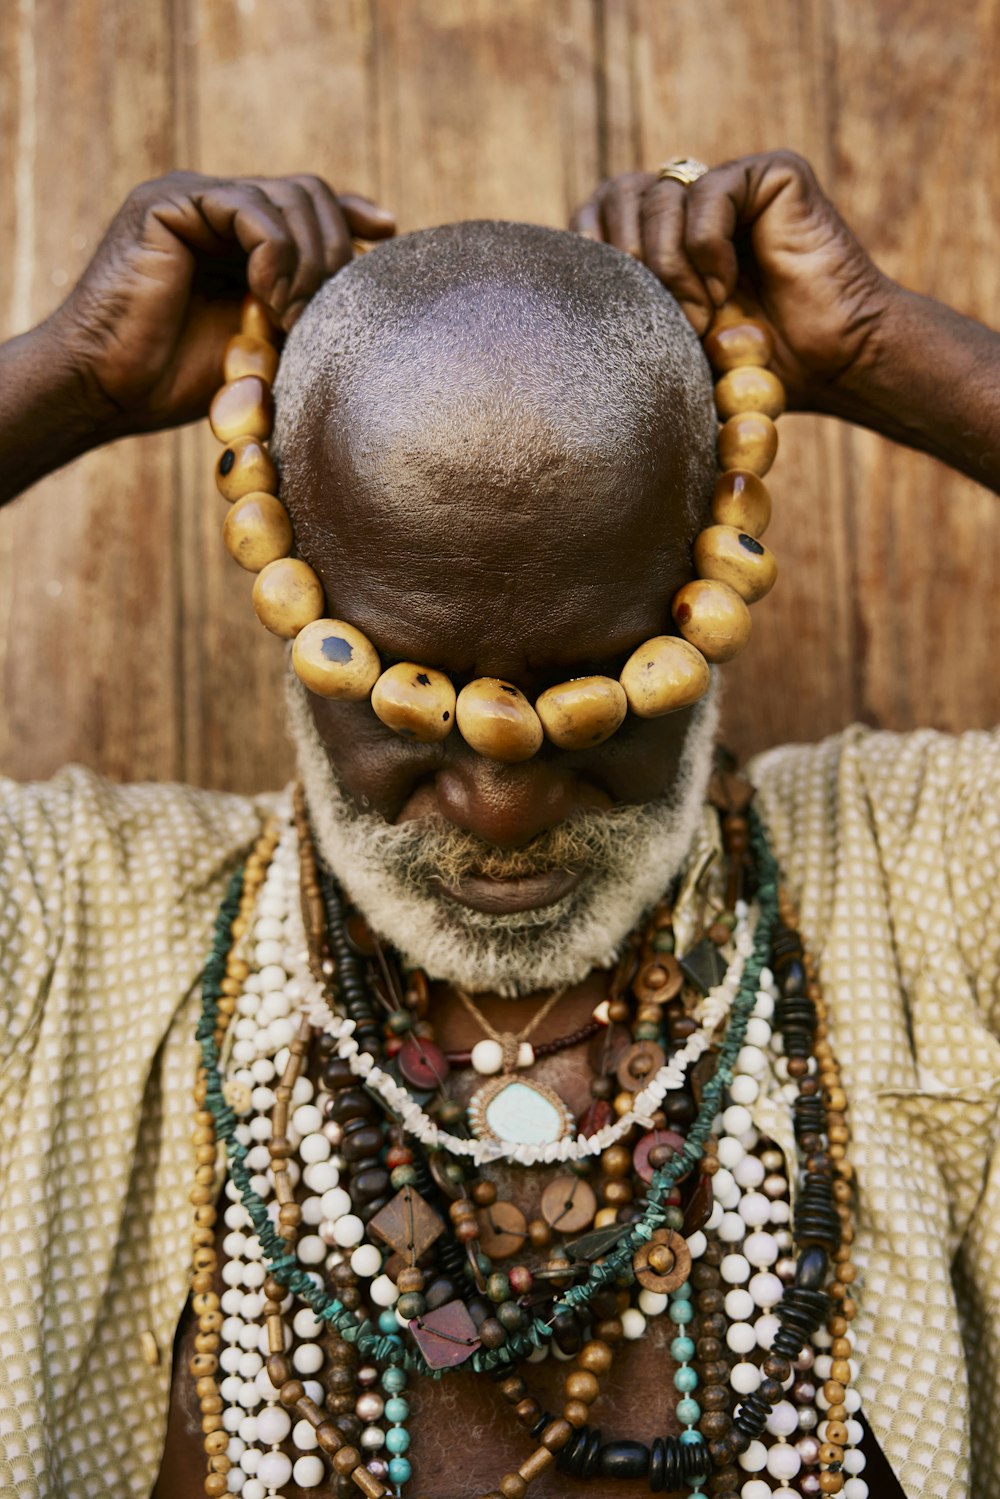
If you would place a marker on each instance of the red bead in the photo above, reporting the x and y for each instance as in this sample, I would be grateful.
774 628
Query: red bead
521 1280
398 1155
422 1064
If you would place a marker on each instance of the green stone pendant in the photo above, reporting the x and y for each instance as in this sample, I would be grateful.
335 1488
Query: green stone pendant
516 1112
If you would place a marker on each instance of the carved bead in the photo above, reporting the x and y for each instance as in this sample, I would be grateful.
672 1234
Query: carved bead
749 440
749 389
733 345
713 617
246 355
730 556
742 500
257 531
255 321
583 712
664 674
496 720
245 467
287 596
333 659
415 701
243 408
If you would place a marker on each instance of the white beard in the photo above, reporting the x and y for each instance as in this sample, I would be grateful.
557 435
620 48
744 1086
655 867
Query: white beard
391 872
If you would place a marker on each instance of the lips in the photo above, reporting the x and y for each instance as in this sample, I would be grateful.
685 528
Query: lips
504 897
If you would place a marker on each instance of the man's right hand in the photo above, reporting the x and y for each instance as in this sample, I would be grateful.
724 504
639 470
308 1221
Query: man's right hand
145 328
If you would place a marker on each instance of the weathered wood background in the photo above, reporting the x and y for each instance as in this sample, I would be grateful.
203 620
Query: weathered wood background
126 635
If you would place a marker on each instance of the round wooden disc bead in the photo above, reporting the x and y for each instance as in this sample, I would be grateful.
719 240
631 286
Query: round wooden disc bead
255 319
257 531
749 389
583 712
713 617
731 556
748 440
742 500
287 596
333 659
243 408
416 702
733 345
246 355
245 467
495 719
664 674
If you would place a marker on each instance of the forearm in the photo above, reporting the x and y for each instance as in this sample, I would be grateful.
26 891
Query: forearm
930 379
45 420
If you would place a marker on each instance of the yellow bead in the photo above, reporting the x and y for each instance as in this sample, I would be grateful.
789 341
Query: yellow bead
742 500
748 440
250 356
733 345
731 556
496 720
287 596
713 617
583 712
416 702
255 320
243 408
749 389
333 659
245 467
257 531
664 674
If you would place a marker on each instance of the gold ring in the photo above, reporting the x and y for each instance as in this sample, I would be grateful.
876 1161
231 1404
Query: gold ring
682 169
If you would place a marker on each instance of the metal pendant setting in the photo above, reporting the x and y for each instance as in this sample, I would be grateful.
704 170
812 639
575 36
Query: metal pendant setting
512 1111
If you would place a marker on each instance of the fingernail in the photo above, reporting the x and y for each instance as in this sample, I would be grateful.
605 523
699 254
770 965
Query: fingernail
292 315
696 316
716 290
279 294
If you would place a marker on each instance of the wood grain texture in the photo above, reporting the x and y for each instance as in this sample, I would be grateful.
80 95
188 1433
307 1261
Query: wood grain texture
127 639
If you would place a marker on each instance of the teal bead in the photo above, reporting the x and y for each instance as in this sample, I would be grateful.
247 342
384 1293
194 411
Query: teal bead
663 942
685 1379
682 1293
387 1322
403 1176
399 1470
688 1411
400 1021
692 1438
681 1312
682 1349
396 1409
397 1439
646 1030
394 1380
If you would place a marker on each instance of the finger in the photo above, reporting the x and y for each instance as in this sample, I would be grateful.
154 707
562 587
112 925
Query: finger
587 220
711 214
241 211
299 213
366 219
621 205
662 222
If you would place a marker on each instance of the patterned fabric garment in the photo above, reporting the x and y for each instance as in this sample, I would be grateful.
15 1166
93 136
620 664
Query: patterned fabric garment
891 846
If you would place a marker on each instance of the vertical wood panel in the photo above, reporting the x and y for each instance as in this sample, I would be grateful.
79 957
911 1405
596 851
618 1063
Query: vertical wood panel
87 561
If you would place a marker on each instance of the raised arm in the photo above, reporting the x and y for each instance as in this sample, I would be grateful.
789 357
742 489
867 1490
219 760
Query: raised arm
138 344
848 341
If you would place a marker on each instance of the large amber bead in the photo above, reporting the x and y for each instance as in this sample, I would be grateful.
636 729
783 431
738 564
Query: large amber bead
255 320
250 356
243 408
496 720
664 674
333 659
583 712
730 346
415 701
257 531
749 389
731 556
245 466
713 617
287 596
742 500
748 440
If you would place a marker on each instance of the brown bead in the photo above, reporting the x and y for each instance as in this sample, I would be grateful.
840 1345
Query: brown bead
713 617
335 660
840 1370
201 1364
242 408
734 557
513 1486
595 1357
527 1411
583 712
834 1391
829 1452
734 345
291 1392
216 1441
496 720
536 1464
346 1460
836 1432
576 1412
556 1435
609 1330
663 675
245 467
617 1194
287 596
749 388
748 441
216 1484
831 1483
416 702
246 355
257 531
581 1384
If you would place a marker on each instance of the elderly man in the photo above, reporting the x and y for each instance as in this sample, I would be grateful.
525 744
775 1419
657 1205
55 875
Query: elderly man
496 444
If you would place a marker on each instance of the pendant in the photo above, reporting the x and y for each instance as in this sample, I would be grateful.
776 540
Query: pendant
515 1112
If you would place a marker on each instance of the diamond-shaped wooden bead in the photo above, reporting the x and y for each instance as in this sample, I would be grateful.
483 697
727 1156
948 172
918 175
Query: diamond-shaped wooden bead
408 1224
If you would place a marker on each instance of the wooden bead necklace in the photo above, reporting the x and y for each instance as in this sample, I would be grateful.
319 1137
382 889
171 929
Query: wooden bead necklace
668 672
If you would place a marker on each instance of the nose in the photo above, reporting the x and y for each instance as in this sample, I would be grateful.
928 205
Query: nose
504 805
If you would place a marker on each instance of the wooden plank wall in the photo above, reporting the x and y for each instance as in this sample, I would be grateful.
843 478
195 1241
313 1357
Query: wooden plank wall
126 636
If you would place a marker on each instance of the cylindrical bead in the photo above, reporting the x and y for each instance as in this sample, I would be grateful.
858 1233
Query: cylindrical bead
496 720
257 531
749 389
742 500
582 712
664 674
243 467
713 617
333 659
733 557
246 355
287 596
416 702
733 345
748 440
243 408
